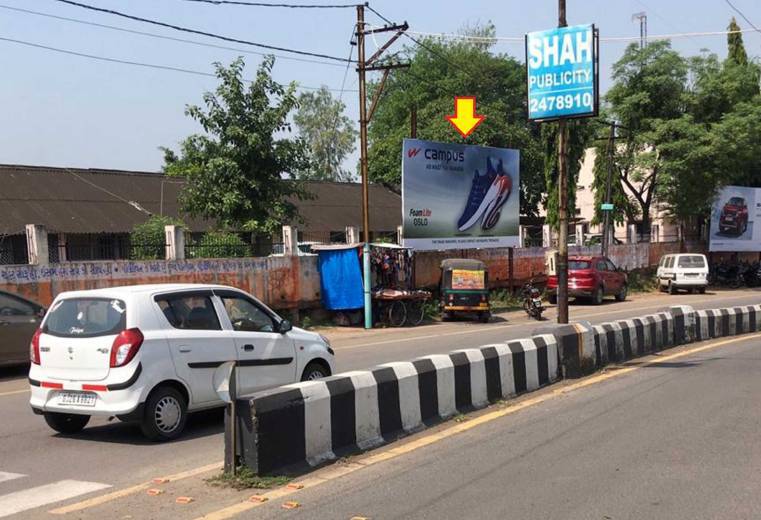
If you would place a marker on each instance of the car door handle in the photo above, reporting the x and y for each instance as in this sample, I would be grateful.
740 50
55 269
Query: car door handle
186 350
248 348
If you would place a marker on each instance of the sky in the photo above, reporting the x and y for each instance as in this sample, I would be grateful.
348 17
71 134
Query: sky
63 110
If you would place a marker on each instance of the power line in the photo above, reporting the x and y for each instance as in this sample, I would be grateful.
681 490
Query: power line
742 15
130 62
196 31
163 37
267 4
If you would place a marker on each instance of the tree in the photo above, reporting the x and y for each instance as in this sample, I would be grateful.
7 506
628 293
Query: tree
649 88
147 240
736 48
235 170
330 134
438 72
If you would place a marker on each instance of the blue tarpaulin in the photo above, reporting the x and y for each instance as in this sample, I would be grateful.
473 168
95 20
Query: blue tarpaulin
340 279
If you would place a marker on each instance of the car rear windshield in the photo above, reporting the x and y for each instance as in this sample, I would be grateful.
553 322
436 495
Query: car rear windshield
692 261
578 264
736 201
86 317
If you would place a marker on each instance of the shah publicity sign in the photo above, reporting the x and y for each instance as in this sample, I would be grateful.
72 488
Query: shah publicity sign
459 196
735 213
562 71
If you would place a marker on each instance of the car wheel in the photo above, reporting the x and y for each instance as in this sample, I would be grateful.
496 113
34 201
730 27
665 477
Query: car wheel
672 288
314 371
484 317
447 316
553 299
621 296
165 414
66 423
598 296
702 290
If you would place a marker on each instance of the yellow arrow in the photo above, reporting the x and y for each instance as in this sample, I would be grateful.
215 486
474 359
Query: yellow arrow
465 119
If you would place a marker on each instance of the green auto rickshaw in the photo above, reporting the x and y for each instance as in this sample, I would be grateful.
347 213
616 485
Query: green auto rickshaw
464 288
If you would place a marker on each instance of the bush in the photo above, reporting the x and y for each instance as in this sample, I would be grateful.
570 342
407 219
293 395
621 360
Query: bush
148 240
219 244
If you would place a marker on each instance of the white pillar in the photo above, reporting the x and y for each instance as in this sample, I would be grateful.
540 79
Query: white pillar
579 234
175 242
37 244
399 234
546 235
62 247
352 234
522 233
290 241
632 237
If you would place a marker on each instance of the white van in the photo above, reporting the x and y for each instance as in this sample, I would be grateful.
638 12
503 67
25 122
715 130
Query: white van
683 271
147 353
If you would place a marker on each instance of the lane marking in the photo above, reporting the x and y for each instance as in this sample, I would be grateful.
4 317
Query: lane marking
14 392
32 498
6 476
389 453
484 330
102 499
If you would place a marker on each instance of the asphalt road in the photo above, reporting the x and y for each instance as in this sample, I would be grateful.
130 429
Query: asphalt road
115 454
676 440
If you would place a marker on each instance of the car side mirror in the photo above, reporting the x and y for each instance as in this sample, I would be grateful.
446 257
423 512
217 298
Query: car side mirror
284 327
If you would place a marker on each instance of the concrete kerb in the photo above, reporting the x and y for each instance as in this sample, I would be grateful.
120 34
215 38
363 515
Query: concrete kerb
306 424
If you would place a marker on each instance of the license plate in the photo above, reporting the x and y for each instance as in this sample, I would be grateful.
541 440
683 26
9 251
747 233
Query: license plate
77 398
537 303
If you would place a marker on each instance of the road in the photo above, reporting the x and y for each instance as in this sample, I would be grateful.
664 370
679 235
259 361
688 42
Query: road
676 440
116 455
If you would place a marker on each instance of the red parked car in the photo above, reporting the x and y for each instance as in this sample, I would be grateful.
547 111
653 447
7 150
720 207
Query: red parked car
591 277
734 216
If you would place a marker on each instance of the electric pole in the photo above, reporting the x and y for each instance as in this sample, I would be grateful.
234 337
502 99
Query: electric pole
363 66
642 17
606 232
562 264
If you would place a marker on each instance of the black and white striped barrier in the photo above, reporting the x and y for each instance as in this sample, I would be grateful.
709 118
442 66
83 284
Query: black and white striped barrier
626 339
312 422
717 323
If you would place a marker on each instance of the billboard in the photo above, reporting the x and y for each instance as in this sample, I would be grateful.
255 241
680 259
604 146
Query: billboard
735 212
459 196
562 73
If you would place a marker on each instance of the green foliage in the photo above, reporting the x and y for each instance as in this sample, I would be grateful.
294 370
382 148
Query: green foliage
438 73
245 478
330 134
736 50
580 132
641 281
219 244
235 170
148 239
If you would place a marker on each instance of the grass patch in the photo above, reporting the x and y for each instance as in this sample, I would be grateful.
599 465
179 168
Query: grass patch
459 418
502 301
244 478
642 281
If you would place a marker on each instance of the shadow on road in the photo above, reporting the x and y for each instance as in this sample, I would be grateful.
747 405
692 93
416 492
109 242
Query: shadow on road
8 373
200 424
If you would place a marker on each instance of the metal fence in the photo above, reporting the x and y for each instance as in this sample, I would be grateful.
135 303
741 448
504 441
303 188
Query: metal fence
13 249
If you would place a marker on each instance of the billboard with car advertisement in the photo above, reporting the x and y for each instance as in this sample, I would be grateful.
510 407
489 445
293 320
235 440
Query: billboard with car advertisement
735 212
459 196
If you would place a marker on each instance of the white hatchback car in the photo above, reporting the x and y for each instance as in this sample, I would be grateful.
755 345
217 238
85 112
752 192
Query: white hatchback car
147 353
688 271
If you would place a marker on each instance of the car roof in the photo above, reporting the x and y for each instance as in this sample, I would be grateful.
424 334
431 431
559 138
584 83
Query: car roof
129 290
584 258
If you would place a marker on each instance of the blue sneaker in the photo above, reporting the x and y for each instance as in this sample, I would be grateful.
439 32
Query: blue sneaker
475 206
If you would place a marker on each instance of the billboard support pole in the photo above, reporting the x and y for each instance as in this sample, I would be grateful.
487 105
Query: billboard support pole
562 265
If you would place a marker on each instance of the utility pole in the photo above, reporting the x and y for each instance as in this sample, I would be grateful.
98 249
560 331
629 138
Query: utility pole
562 264
642 17
363 66
606 232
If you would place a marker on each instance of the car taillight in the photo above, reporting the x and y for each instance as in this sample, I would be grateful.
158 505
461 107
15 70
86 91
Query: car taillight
125 346
34 347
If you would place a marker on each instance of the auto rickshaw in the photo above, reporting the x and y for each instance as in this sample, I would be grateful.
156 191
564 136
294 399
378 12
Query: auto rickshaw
464 288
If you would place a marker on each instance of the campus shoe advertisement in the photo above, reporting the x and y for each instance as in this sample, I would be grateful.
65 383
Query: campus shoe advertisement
459 196
735 213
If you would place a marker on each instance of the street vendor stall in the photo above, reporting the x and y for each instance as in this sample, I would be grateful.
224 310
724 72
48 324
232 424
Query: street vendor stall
396 302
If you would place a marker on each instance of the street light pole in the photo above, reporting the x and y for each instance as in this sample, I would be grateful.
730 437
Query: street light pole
606 231
363 164
562 264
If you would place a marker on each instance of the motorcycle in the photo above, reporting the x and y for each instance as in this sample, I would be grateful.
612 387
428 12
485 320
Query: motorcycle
532 301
